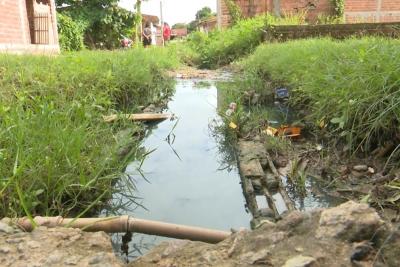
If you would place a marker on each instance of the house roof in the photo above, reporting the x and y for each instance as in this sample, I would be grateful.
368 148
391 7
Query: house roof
150 18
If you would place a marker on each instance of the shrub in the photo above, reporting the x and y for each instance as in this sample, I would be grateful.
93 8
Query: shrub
220 48
70 33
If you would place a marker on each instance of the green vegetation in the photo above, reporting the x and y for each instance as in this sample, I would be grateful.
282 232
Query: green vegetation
104 21
70 33
348 88
220 48
57 156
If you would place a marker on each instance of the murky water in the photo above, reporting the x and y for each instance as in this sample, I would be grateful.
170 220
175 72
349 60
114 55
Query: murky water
185 184
184 181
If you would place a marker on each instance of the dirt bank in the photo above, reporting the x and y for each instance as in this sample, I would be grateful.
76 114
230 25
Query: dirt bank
351 234
348 234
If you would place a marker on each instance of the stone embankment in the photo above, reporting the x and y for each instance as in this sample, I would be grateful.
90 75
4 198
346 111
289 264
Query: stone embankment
351 234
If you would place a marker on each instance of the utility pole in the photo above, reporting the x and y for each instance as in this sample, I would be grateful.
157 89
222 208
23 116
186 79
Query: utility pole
162 23
138 22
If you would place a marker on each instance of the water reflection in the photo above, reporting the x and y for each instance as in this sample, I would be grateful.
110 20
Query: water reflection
185 182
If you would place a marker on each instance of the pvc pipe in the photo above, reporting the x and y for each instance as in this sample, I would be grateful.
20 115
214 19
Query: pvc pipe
124 224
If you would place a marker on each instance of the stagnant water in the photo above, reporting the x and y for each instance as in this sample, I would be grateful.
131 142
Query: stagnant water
184 182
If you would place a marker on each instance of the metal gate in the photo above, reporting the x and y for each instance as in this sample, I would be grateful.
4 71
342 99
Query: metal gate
41 28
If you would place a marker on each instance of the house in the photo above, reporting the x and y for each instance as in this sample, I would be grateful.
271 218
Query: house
208 24
179 33
354 10
28 26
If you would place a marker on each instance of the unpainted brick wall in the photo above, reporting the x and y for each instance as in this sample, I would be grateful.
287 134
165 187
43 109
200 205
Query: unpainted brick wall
372 10
355 10
13 29
249 8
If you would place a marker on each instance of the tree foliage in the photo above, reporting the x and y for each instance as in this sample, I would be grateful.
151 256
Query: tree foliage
203 13
70 33
105 21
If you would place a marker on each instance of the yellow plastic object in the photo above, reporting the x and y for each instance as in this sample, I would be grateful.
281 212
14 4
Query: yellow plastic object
233 125
271 131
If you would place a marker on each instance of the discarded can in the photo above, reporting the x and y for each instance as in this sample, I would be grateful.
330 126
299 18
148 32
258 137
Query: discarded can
282 94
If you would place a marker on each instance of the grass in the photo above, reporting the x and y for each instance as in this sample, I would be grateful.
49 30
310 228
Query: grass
221 47
350 87
57 156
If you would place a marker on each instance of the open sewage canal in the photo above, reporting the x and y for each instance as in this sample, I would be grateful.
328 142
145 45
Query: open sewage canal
184 180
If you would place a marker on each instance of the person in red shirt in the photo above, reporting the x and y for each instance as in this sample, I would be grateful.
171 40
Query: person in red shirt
166 32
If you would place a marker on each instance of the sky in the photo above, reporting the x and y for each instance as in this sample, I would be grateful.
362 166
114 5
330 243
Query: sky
174 10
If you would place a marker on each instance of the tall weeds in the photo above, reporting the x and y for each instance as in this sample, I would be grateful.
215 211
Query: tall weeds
57 156
221 47
350 87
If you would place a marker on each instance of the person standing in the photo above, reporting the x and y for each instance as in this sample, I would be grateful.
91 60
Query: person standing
166 32
146 34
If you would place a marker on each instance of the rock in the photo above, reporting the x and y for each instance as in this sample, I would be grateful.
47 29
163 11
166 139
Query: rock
350 221
360 168
361 251
262 257
371 170
5 228
5 250
301 261
54 257
96 259
73 260
33 244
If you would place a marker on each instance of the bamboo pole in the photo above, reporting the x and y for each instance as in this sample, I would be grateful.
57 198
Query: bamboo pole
124 224
138 117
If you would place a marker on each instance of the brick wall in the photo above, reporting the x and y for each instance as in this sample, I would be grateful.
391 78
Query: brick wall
313 8
338 31
355 10
372 10
14 27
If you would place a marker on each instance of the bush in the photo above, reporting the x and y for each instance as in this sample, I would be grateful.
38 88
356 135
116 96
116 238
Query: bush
220 48
351 87
57 156
71 33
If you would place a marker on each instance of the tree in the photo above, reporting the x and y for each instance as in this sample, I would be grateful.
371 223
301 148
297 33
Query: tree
105 21
203 13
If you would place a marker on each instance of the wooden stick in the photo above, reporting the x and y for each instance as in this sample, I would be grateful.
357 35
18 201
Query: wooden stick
124 224
138 117
288 202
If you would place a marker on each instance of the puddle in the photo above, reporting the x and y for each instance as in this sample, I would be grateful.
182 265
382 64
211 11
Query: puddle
184 182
